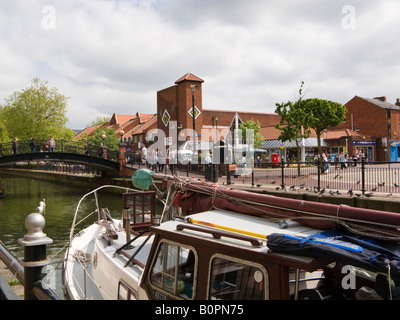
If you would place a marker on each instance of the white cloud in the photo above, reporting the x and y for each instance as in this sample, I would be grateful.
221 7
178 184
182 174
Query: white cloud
112 56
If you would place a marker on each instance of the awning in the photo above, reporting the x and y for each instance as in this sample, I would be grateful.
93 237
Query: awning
308 143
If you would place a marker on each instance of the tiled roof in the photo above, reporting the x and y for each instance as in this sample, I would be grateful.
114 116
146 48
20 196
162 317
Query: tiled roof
382 104
189 77
86 132
336 134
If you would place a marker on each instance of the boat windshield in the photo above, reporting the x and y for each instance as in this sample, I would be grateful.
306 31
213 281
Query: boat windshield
236 280
173 270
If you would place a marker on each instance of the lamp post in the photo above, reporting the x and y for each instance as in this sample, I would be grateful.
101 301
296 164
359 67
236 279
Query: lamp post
193 88
121 133
178 128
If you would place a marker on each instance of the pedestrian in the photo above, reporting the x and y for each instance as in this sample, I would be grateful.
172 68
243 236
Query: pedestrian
208 159
325 161
52 144
143 154
243 165
32 144
15 146
342 161
154 159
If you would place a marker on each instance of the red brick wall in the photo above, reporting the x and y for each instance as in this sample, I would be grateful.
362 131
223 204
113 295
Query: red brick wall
367 117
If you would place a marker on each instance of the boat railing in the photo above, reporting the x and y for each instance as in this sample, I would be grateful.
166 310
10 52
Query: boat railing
95 193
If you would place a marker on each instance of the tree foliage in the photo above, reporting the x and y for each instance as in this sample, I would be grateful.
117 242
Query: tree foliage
298 118
294 122
111 140
322 115
98 120
255 126
37 111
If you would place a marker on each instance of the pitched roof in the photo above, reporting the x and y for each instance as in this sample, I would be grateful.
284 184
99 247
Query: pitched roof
339 133
383 104
86 132
189 77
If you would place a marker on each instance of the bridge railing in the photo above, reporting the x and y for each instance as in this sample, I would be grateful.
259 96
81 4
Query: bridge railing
64 146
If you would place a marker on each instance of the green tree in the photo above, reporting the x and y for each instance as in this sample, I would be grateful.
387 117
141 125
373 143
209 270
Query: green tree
98 120
110 138
37 111
255 126
322 115
294 124
3 130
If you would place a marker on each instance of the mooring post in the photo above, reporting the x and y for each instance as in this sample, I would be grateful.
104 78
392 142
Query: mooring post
35 253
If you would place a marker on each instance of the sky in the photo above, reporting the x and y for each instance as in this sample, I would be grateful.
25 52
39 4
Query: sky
113 56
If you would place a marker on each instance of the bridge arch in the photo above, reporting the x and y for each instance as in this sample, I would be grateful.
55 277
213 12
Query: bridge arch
74 152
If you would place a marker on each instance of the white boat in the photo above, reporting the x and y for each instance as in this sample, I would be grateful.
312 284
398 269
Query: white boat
210 255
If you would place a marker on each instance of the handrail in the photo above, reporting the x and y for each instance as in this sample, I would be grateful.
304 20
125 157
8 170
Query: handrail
63 146
217 234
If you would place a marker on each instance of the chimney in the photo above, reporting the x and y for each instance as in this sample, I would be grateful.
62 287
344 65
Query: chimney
381 98
397 102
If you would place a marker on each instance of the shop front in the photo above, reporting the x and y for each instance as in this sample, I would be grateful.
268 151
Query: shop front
365 148
395 151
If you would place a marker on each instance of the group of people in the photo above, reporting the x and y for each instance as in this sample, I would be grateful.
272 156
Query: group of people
340 158
155 160
51 145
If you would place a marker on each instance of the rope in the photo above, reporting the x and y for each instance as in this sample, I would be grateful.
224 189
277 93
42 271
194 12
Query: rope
316 216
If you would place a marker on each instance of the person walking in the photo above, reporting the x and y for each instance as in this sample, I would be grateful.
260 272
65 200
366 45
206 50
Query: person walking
15 146
33 145
325 161
52 144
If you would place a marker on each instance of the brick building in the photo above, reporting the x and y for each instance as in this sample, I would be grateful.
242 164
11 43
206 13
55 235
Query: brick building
377 124
175 105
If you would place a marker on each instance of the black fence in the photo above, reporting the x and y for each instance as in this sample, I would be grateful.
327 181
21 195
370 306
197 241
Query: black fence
64 146
356 178
361 178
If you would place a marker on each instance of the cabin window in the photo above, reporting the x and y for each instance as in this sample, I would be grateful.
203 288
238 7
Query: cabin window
141 208
125 292
235 280
174 271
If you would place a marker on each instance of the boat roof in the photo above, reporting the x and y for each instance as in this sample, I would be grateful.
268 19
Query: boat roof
233 220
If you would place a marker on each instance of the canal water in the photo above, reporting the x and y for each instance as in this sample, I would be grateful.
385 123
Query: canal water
22 197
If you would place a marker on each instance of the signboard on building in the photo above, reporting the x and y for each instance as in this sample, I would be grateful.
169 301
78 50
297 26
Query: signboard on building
363 143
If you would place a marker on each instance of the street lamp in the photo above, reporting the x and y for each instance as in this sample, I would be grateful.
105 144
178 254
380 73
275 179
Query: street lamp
103 136
178 127
122 132
193 88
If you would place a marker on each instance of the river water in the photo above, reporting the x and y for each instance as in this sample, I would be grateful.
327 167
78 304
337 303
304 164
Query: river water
22 197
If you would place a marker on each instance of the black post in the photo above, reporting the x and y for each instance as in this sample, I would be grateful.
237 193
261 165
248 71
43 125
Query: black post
35 256
252 177
228 174
363 175
319 173
283 172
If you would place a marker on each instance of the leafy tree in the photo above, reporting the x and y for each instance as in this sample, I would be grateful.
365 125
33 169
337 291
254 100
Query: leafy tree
294 122
293 125
98 120
322 115
37 111
111 140
253 125
3 130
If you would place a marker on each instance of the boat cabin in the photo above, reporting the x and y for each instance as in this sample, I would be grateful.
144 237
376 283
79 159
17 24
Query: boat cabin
201 261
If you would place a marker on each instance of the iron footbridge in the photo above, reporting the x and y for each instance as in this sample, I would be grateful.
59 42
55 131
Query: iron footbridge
74 152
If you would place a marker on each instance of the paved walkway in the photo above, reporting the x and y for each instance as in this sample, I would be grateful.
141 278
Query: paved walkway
10 278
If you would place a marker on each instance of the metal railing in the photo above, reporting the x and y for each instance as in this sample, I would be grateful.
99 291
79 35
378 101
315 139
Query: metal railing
360 177
63 146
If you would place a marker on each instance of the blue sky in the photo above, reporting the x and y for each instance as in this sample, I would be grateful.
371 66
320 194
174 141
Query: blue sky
113 56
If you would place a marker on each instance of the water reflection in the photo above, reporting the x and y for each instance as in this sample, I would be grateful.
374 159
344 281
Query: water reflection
22 197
